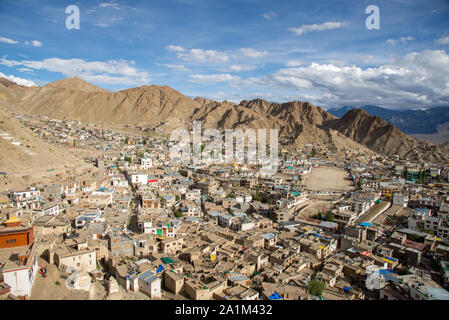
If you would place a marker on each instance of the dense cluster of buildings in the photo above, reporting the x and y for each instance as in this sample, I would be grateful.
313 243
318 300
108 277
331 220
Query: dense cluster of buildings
225 231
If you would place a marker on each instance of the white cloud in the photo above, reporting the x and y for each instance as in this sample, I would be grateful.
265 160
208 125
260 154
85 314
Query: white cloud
443 40
175 48
20 81
402 40
101 25
200 55
109 5
293 63
105 72
34 43
178 67
26 70
9 63
51 20
305 28
235 82
212 78
239 68
251 53
317 27
419 78
214 56
7 40
113 5
269 15
392 41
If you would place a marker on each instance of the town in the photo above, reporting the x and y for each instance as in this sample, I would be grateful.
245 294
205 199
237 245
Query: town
134 224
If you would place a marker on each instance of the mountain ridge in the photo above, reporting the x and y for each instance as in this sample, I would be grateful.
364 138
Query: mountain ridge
153 106
431 124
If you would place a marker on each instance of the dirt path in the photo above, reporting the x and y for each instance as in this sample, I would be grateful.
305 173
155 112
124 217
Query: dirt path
48 289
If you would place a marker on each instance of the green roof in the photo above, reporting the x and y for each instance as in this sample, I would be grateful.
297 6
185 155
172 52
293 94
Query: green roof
167 260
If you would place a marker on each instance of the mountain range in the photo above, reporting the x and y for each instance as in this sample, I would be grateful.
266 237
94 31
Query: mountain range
430 124
162 107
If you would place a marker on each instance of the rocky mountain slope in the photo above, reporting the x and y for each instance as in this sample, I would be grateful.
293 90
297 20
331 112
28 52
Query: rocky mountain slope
25 153
383 137
430 124
299 123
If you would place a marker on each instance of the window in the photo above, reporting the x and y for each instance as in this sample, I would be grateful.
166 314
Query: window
7 241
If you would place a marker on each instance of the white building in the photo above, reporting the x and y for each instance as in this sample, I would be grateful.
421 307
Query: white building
141 178
31 194
400 200
52 210
19 275
146 163
244 198
87 218
78 257
150 284
22 198
194 194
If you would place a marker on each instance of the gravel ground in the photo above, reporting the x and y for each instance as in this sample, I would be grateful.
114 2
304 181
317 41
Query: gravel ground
328 179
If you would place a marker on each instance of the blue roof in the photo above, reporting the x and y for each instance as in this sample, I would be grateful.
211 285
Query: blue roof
391 259
275 296
146 276
160 268
366 224
389 277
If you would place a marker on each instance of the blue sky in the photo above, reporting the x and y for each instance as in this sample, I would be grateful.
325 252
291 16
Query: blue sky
317 51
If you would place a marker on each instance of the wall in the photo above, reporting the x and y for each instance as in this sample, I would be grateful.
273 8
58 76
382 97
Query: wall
23 238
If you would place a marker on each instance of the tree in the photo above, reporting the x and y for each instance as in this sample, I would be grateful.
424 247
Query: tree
126 141
319 216
438 178
329 216
406 174
178 214
257 197
316 287
359 184
422 176
177 198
